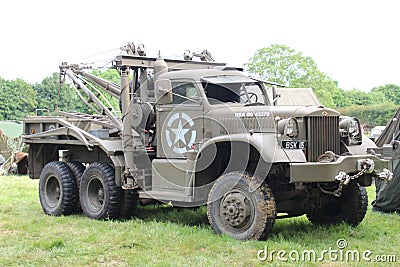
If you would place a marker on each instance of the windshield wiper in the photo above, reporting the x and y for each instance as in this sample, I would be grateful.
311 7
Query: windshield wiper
254 104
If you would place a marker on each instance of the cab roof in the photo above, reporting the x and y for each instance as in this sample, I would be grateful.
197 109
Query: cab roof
198 75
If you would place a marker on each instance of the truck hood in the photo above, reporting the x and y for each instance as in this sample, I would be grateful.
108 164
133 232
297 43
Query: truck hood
238 118
301 111
239 110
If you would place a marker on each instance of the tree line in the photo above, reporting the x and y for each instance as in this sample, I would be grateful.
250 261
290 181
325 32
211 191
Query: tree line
19 99
277 63
284 65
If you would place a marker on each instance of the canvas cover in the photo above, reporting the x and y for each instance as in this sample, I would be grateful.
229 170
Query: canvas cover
388 194
10 144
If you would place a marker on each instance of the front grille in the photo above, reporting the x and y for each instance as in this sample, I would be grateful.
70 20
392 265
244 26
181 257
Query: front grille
322 135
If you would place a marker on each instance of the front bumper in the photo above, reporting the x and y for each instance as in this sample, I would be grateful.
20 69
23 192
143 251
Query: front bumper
310 172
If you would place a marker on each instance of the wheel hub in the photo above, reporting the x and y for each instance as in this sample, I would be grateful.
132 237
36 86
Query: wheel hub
100 195
235 209
96 193
53 191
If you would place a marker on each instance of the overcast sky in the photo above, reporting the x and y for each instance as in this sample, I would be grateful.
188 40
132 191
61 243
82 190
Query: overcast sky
355 42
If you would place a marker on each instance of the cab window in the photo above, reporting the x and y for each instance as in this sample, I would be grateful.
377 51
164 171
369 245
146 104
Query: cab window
184 93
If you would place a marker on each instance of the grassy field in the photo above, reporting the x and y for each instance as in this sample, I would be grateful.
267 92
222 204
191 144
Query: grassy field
165 236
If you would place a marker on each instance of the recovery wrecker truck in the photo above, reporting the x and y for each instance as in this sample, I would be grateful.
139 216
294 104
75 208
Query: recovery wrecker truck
195 133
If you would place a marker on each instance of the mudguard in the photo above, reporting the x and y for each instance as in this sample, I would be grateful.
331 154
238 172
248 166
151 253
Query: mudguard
266 144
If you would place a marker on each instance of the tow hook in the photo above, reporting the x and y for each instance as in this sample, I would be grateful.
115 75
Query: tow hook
364 166
343 178
385 175
369 166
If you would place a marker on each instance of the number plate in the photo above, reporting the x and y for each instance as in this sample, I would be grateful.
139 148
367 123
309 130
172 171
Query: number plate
293 144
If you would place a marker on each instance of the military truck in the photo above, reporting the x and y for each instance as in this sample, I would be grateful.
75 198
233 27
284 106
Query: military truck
196 132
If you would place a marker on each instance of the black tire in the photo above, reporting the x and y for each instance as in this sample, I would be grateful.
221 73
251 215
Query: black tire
350 207
77 169
99 194
240 207
128 203
58 191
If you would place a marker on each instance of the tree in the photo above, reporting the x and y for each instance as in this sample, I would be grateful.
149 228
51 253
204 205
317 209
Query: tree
54 96
356 97
281 64
17 98
109 75
390 91
112 76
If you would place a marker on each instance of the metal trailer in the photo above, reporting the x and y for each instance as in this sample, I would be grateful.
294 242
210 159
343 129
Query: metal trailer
200 133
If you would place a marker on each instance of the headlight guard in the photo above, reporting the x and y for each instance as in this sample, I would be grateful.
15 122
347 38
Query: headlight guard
350 130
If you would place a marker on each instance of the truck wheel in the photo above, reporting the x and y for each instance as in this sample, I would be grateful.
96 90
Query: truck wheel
99 194
58 191
349 208
77 169
128 203
237 207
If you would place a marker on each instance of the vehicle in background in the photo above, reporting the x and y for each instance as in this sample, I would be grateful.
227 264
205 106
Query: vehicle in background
376 132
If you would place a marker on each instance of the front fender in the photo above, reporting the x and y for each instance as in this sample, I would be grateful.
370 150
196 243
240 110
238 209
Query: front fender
362 148
265 143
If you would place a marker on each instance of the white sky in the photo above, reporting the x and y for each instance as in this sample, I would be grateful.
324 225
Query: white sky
355 42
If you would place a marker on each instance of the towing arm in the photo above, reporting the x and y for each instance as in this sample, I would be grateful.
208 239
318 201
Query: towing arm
80 85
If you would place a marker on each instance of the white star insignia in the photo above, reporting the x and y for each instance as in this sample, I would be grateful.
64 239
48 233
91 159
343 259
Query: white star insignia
180 133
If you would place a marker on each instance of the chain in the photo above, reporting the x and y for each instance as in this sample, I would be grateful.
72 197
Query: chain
367 166
359 174
344 179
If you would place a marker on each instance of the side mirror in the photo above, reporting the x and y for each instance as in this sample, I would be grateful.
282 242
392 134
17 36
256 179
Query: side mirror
275 95
163 92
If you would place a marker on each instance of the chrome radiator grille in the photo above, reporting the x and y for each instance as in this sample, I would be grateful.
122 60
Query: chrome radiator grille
322 135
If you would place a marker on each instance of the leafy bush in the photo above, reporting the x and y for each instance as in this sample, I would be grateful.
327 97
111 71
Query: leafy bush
371 115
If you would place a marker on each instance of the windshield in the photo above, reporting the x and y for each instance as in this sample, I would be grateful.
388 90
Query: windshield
233 89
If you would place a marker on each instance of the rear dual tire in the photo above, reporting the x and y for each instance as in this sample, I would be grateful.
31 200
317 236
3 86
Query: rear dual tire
58 190
99 195
101 198
77 169
66 188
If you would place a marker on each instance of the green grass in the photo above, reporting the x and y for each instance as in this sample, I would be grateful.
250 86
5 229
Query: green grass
164 236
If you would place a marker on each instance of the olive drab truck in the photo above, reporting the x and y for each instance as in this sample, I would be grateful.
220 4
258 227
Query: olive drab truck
195 132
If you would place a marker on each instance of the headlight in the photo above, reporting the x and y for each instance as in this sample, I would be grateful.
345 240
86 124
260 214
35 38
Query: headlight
291 128
350 130
288 127
353 127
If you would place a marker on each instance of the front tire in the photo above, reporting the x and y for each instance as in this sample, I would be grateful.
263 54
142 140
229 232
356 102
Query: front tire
350 207
99 194
240 207
58 191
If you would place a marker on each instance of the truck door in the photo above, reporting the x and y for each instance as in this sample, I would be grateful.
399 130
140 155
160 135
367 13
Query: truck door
180 123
